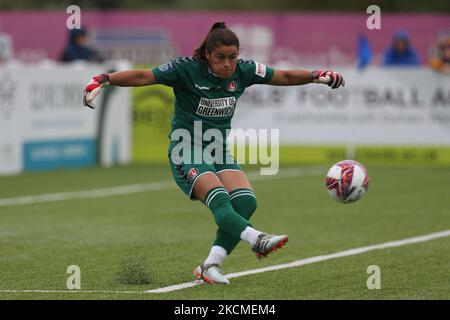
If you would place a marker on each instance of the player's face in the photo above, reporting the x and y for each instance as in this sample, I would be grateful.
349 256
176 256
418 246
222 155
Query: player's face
222 60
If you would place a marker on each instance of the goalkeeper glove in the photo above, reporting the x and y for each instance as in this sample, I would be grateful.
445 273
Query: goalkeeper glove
330 78
93 89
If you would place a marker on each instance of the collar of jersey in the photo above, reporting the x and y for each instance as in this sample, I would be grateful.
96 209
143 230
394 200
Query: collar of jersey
211 72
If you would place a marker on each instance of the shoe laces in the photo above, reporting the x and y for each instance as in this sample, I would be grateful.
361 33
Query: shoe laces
261 242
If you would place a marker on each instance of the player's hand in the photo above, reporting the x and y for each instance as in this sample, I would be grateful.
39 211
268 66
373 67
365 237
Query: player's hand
330 78
93 89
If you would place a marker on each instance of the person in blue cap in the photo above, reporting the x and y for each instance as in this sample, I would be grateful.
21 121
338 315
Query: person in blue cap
77 48
401 53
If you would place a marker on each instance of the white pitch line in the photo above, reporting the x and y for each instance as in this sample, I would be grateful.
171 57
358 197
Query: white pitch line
297 263
69 291
140 187
86 194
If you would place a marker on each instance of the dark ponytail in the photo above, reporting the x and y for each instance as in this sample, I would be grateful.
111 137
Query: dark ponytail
217 36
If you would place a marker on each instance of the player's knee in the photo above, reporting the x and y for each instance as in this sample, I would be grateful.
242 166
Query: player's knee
217 199
244 202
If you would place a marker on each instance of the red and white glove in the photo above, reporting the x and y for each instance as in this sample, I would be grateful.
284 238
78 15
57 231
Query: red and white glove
93 89
330 78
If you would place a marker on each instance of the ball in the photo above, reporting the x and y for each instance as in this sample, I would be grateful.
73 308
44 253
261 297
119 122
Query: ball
347 181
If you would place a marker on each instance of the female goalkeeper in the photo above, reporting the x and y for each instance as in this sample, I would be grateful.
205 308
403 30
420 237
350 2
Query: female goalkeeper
206 88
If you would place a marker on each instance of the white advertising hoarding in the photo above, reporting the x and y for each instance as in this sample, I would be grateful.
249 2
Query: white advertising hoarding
43 124
376 107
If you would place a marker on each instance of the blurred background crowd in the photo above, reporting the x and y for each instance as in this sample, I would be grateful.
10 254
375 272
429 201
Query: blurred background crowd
396 64
334 33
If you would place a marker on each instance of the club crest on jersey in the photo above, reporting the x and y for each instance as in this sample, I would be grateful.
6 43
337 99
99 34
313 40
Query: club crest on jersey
166 67
232 86
192 173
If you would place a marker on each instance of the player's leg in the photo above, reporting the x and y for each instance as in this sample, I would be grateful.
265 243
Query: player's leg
203 178
199 181
240 190
210 190
213 194
243 200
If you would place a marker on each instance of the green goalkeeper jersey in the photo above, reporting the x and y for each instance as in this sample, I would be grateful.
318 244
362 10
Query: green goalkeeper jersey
200 95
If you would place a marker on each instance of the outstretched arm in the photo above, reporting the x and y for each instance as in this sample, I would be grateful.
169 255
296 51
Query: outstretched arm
290 77
300 77
130 78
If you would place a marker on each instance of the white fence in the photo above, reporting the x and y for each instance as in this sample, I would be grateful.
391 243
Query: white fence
376 107
43 124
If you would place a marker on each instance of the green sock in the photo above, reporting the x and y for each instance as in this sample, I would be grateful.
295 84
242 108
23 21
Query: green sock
226 217
244 203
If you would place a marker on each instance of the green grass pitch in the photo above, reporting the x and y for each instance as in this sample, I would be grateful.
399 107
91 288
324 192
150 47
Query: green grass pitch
147 240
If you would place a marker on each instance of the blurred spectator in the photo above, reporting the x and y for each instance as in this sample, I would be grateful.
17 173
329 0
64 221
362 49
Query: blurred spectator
365 53
401 53
440 61
77 48
6 50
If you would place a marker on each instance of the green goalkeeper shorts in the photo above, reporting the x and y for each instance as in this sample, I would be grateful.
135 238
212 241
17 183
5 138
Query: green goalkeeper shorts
186 174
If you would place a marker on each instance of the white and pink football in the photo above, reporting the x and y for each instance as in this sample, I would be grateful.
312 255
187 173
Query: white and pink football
347 181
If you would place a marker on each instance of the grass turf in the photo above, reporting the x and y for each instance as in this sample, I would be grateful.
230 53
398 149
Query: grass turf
146 240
